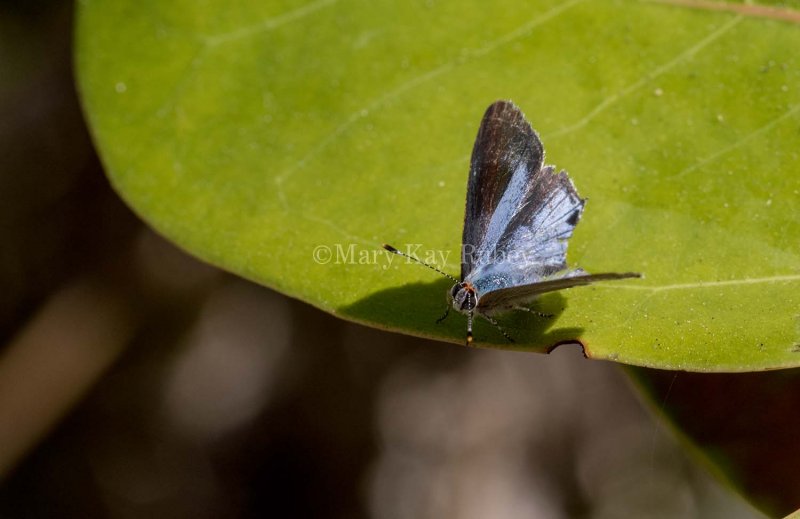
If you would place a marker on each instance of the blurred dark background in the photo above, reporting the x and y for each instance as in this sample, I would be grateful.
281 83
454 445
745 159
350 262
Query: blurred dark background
138 382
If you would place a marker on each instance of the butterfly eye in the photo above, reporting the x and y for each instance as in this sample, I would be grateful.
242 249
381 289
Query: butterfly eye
455 290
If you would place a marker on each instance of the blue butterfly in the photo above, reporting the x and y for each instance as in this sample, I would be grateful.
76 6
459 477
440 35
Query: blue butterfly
519 216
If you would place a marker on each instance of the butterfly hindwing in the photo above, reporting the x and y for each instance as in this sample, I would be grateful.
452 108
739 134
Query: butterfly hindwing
508 297
534 242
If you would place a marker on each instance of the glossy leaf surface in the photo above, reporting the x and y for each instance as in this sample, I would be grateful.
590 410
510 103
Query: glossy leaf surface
286 141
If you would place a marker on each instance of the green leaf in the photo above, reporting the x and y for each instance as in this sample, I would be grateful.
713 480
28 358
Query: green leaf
252 134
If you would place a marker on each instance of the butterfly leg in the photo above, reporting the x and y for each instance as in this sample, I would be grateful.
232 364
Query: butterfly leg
469 328
446 313
497 325
530 311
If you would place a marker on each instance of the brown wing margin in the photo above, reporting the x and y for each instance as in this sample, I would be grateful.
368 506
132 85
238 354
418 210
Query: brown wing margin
512 295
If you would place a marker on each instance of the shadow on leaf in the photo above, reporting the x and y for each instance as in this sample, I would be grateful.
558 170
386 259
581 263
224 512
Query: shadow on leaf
417 306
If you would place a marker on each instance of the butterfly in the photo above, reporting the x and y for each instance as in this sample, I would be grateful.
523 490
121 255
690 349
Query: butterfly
519 217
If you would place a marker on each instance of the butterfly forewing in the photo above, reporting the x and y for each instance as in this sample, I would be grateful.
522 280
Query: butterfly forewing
519 214
506 155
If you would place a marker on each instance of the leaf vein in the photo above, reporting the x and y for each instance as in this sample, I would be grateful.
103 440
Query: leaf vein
610 100
788 278
411 84
747 9
743 140
267 25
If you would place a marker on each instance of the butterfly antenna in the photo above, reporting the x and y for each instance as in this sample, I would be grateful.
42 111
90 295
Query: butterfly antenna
409 256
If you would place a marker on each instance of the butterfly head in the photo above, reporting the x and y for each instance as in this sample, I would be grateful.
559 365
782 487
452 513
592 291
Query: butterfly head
464 297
